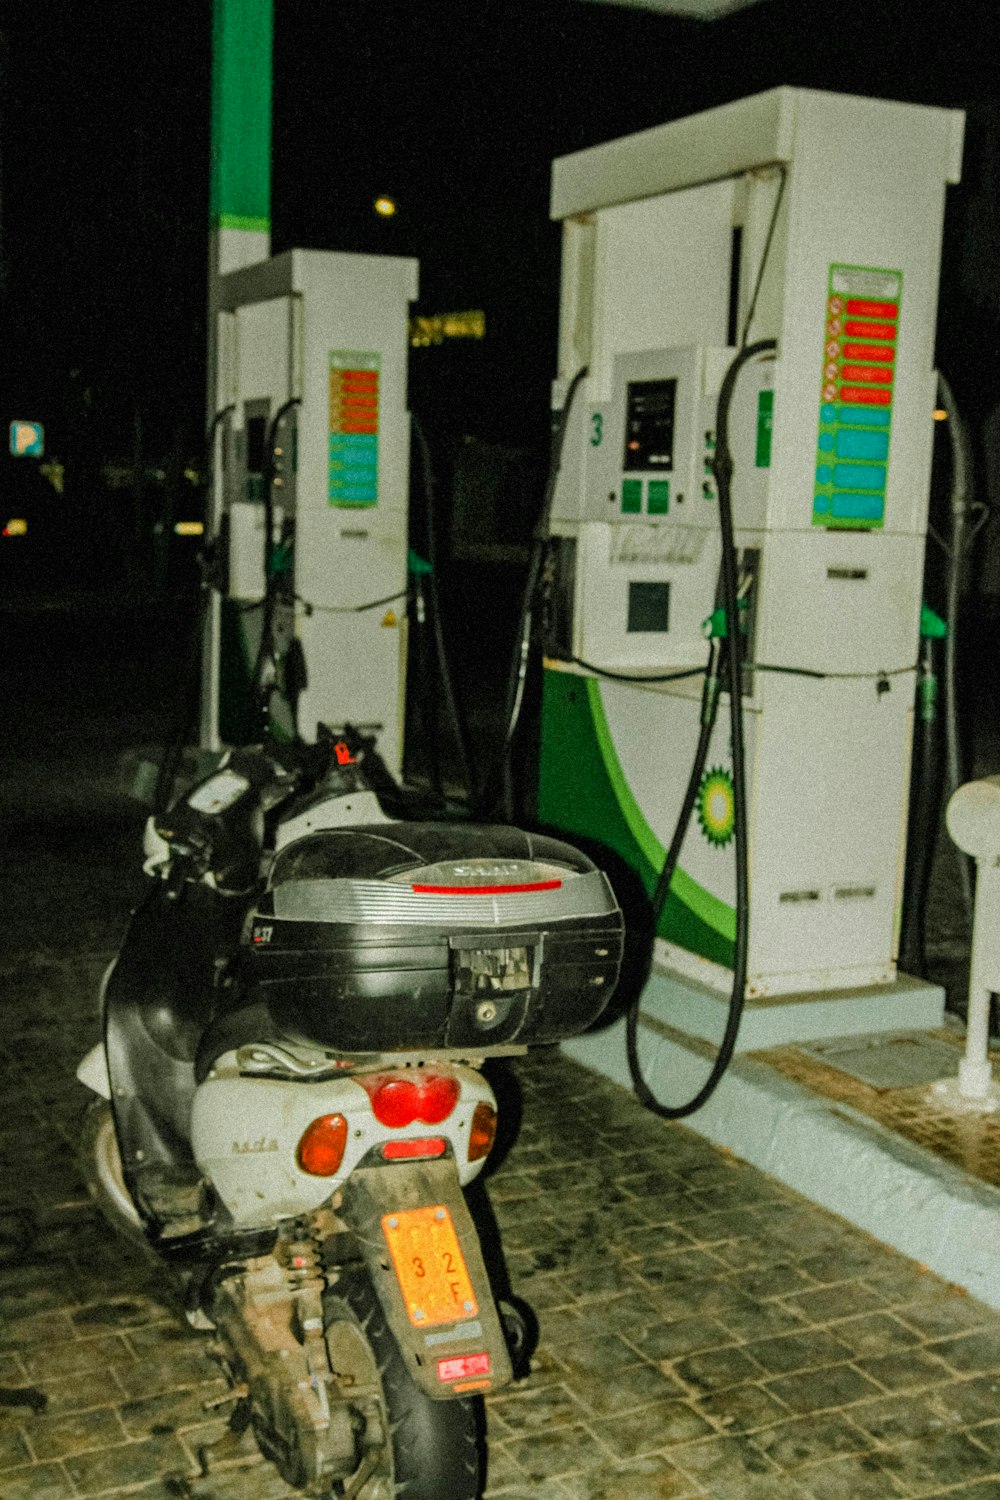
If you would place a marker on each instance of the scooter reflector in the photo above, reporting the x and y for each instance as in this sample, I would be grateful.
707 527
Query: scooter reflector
430 1266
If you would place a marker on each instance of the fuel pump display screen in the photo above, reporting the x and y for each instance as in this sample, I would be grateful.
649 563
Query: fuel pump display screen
649 424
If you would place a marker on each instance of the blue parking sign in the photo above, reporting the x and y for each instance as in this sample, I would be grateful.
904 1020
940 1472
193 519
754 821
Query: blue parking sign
27 439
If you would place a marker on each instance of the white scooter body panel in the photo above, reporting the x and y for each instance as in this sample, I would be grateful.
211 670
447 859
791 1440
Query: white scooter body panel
93 1071
245 1133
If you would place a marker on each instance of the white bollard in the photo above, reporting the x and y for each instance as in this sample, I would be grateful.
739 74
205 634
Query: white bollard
973 821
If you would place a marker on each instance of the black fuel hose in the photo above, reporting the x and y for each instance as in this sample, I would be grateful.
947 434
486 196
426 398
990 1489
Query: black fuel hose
190 674
493 783
455 719
257 696
722 466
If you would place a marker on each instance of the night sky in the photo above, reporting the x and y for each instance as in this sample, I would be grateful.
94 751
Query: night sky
454 108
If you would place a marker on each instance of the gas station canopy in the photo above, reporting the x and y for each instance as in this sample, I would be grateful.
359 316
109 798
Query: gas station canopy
696 10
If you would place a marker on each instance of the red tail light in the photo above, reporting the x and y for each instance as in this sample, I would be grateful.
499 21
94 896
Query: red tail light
414 1150
321 1149
398 1099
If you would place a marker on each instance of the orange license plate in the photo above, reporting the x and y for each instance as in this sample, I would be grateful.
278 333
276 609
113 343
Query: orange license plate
430 1266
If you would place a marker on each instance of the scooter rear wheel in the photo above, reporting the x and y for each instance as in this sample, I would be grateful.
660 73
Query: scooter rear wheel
433 1448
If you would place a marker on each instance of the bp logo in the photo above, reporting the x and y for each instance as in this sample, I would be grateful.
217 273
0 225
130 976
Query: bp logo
715 806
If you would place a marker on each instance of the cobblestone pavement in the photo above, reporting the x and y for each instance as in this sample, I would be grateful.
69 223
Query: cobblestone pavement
704 1331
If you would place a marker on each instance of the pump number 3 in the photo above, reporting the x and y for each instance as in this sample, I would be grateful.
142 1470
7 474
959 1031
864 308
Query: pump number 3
596 429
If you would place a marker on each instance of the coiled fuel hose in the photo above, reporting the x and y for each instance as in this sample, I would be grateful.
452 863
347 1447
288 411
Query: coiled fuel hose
722 467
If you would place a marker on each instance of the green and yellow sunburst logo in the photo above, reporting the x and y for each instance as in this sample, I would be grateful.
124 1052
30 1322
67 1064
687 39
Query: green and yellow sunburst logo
716 807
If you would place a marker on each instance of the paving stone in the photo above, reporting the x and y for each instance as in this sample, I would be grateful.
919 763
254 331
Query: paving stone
781 1279
128 1464
651 1478
823 1304
172 1411
874 1334
650 1429
797 1351
38 1482
853 1259
743 1408
537 1407
725 1467
987 1435
604 1357
501 1470
670 1341
855 1477
563 1450
652 1241
819 1390
72 1394
13 1448
560 1323
891 1418
722 1225
116 1313
948 1313
717 1369
987 1489
152 1376
12 1369
919 1465
637 1386
807 1440
629 1314
22 1332
907 1369
59 1436
86 1358
551 1491
972 1352
677 1266
748 1320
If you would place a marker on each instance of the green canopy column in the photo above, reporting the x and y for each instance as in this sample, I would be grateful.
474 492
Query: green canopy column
239 227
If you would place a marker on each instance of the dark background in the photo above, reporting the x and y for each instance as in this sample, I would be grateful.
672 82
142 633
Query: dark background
456 109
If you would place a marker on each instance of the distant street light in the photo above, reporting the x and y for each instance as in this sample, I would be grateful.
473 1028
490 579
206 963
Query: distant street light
385 207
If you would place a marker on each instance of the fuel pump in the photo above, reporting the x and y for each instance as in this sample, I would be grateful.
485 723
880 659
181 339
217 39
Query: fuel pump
810 224
310 496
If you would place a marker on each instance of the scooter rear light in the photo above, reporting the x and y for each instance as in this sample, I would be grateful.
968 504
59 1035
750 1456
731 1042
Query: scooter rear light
438 1097
321 1148
398 1100
413 1150
483 1132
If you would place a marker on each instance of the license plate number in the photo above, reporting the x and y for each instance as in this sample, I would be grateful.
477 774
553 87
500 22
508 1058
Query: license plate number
430 1266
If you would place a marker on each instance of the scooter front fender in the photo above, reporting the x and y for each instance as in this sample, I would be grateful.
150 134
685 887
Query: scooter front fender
417 1235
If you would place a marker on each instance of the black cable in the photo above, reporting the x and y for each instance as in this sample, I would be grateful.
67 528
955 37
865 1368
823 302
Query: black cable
455 718
493 781
722 466
630 677
348 609
879 676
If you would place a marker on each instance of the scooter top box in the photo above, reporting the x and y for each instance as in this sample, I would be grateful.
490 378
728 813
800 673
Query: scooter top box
407 935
